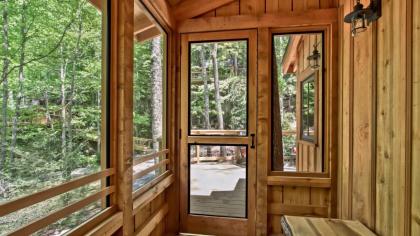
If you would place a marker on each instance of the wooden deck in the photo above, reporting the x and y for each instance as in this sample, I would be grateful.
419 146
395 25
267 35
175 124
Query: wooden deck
221 203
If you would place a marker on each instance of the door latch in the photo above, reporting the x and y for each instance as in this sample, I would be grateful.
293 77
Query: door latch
252 141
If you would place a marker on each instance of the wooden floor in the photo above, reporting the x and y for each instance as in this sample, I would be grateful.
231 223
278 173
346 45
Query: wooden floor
221 203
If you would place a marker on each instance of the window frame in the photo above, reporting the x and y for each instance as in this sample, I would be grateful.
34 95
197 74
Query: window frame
311 77
107 173
327 103
164 153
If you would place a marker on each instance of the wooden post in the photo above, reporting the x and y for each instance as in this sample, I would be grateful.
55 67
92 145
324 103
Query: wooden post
264 125
121 90
197 150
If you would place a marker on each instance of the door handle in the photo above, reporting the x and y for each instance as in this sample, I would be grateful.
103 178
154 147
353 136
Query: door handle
252 141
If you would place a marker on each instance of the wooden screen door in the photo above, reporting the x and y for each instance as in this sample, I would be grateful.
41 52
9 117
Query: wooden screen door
218 125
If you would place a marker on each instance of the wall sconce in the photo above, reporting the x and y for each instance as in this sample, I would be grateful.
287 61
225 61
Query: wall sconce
360 18
314 57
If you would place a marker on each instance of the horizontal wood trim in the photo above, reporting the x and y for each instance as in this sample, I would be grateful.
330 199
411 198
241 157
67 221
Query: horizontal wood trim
206 225
152 193
292 19
299 181
217 140
59 214
216 132
150 185
149 157
299 174
89 225
308 143
297 210
154 221
20 203
152 168
109 226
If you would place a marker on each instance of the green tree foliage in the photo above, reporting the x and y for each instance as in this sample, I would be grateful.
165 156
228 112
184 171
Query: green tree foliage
232 77
51 99
287 90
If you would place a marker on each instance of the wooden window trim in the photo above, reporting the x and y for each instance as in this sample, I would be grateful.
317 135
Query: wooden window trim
308 75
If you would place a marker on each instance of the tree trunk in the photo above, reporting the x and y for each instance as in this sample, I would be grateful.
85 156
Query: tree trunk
217 95
47 109
20 95
217 88
63 70
6 62
70 104
157 92
98 124
277 140
205 94
235 64
206 89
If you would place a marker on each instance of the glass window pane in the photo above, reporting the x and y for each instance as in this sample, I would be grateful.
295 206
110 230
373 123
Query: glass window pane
308 109
149 106
294 89
51 102
218 88
218 180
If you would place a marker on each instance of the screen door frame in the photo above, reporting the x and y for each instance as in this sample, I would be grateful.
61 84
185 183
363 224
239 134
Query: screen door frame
215 225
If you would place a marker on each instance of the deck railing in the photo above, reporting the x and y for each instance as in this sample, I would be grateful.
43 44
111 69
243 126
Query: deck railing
43 195
161 163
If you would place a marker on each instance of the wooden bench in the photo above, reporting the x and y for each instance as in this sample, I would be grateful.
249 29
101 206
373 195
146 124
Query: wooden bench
308 226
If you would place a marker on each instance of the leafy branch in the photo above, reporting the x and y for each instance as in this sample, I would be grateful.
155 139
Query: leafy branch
38 58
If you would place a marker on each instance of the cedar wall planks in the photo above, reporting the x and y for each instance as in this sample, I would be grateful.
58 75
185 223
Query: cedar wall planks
145 215
309 155
253 7
379 128
415 167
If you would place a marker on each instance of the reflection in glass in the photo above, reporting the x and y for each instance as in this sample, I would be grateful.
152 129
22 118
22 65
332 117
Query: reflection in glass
218 88
148 107
218 180
308 109
294 104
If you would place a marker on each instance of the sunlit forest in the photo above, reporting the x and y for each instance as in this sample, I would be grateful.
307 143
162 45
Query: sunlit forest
50 128
219 86
51 97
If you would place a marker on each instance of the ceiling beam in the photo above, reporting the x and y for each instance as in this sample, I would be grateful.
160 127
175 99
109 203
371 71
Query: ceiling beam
309 18
97 3
191 8
142 23
147 34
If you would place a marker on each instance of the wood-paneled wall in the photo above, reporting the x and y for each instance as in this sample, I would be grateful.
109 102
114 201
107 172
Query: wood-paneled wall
309 154
378 126
293 200
150 219
415 163
253 7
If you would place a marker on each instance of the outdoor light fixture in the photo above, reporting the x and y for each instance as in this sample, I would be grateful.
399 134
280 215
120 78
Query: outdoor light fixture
314 58
360 17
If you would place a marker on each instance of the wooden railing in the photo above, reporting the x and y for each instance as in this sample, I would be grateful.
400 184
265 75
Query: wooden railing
162 164
32 199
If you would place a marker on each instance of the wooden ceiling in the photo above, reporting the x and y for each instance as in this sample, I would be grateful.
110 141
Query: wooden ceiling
144 28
